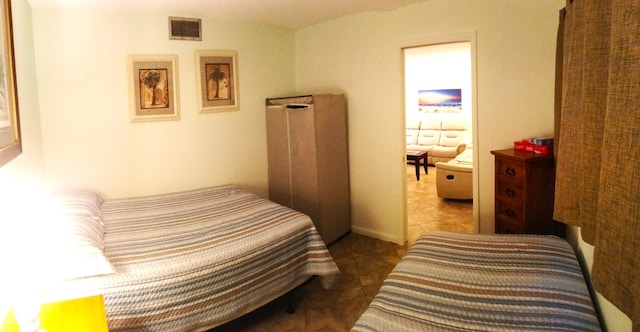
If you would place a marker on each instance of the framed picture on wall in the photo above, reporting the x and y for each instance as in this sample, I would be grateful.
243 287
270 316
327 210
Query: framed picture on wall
217 80
153 87
440 101
10 144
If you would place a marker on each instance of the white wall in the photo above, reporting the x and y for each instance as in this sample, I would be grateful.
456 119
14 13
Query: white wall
22 176
612 317
84 101
361 55
440 66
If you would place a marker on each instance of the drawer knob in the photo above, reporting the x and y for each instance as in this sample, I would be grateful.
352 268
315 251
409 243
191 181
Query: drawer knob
510 171
510 192
510 213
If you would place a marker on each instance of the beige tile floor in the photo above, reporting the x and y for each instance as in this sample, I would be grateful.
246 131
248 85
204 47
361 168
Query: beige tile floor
428 212
365 262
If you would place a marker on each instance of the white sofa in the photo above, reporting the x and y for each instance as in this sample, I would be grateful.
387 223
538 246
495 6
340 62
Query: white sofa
454 178
442 140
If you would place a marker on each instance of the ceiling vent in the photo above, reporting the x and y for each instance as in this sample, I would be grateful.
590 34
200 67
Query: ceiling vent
185 28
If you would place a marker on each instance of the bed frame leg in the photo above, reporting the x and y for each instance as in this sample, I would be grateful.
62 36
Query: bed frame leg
291 306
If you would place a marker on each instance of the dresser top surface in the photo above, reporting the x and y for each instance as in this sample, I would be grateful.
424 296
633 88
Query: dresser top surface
521 155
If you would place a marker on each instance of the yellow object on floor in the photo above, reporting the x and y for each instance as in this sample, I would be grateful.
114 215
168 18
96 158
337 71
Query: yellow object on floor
76 315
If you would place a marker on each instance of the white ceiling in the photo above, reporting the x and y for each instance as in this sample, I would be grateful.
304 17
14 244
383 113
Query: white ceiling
292 14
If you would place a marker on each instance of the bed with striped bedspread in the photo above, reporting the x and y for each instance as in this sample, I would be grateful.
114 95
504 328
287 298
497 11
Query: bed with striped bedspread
463 282
197 259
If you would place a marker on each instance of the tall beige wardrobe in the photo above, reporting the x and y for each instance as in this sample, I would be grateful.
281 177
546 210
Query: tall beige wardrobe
309 160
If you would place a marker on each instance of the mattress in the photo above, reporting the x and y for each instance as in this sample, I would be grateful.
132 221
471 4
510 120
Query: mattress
197 259
462 282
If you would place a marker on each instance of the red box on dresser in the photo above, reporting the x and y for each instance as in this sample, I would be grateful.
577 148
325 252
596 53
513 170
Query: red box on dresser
525 145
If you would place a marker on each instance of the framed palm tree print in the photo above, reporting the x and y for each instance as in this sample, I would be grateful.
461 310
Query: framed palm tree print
153 87
217 80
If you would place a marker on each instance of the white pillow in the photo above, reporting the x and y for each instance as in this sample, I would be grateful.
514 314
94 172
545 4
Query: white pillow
78 203
77 235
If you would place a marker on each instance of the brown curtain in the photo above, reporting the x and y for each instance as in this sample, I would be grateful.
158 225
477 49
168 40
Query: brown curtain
598 152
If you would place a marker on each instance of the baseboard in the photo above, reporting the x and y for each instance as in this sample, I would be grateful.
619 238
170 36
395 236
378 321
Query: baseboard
375 234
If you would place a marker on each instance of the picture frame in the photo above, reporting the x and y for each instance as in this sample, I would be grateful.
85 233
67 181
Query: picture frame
10 140
217 80
440 101
153 87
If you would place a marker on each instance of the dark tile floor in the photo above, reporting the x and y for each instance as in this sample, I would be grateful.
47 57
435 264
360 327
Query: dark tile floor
364 263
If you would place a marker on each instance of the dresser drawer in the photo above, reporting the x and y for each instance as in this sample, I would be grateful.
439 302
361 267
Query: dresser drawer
510 169
504 226
509 190
512 212
524 188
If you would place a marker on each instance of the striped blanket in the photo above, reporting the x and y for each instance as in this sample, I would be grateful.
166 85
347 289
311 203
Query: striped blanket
462 282
194 260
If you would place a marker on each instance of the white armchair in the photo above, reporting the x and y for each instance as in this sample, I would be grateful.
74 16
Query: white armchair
454 178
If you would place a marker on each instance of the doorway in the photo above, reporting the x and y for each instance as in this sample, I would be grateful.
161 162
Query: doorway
433 68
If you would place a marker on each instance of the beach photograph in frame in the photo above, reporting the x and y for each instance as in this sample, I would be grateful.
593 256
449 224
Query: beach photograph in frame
217 81
440 101
153 87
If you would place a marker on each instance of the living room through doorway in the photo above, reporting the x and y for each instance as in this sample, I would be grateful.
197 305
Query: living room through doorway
438 87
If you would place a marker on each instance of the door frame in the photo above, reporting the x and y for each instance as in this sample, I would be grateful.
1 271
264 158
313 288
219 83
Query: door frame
468 36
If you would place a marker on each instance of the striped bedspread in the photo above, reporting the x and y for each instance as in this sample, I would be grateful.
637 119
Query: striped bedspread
462 282
194 260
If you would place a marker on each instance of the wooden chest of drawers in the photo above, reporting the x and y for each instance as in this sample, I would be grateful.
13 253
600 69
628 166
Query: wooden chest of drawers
524 192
